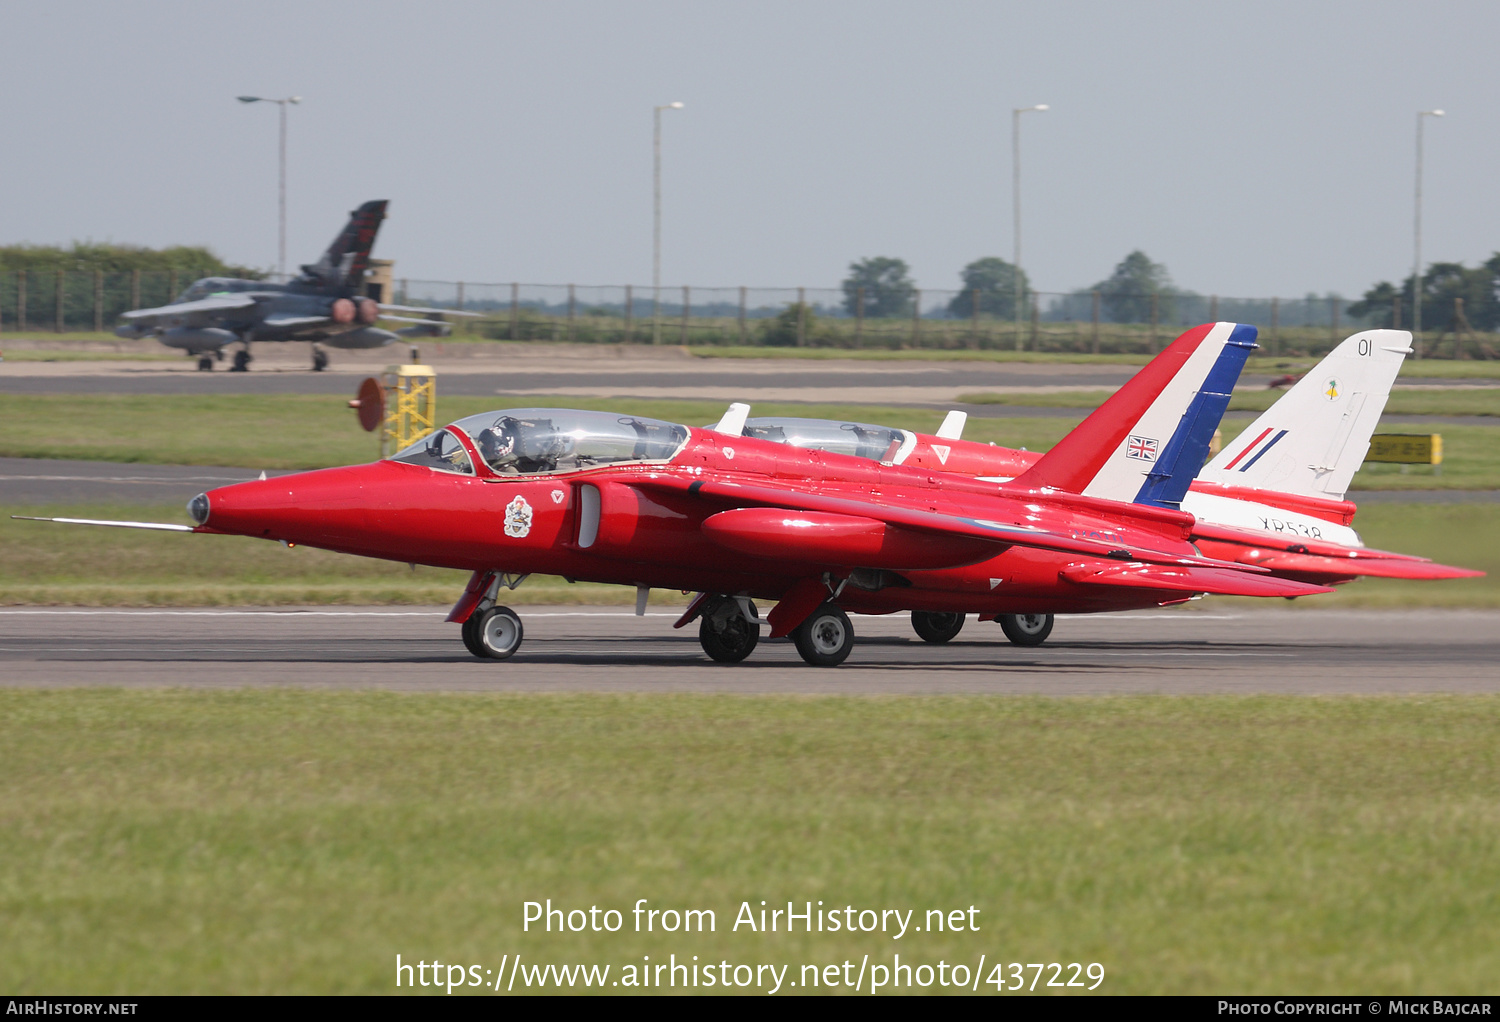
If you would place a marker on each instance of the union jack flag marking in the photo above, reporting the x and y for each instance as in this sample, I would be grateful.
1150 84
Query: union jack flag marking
1142 448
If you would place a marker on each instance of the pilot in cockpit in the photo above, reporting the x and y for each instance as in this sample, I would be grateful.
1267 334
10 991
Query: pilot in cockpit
498 444
511 445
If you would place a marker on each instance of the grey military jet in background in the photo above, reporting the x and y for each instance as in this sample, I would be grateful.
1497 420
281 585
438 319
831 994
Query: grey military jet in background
326 304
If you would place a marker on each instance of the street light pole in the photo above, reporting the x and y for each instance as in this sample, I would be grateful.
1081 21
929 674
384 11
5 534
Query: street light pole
1416 272
281 198
656 219
1015 176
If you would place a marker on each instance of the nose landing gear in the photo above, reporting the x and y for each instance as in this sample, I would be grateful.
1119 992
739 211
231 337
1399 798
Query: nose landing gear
320 359
205 363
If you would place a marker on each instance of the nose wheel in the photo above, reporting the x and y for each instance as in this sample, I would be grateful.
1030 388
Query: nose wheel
936 627
825 638
493 634
1026 629
320 360
205 363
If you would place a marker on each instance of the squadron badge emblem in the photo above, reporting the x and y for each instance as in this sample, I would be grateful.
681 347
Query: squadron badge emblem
1331 389
517 518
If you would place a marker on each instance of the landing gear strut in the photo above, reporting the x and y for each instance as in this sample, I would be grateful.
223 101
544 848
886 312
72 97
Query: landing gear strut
826 637
493 634
1026 629
727 634
934 626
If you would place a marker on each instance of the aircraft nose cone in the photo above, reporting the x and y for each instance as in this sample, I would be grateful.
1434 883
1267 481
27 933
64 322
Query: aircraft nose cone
198 508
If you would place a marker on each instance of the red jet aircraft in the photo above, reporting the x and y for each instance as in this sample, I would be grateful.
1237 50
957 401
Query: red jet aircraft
620 499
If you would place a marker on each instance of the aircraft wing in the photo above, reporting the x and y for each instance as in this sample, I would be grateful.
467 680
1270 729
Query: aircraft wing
1177 578
287 321
1295 554
931 522
416 308
216 303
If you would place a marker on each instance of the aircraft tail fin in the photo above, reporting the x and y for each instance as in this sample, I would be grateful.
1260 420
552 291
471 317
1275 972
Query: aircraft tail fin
1147 441
347 259
1314 438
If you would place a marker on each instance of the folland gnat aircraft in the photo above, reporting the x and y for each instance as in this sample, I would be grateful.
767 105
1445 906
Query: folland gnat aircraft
603 497
325 304
1274 496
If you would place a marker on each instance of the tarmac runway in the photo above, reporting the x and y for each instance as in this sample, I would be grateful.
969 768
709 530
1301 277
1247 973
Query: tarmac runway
580 649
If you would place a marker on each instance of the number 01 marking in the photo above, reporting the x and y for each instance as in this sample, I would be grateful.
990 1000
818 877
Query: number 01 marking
1364 346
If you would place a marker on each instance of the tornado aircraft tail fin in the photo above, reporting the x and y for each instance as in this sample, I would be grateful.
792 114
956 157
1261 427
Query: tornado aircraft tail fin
347 259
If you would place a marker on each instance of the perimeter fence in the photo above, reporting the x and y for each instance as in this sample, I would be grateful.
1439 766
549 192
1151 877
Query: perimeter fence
1077 322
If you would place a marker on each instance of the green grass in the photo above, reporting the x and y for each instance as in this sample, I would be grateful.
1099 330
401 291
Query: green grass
314 431
73 565
296 842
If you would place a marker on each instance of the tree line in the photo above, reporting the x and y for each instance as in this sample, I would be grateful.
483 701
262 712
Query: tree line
1477 305
188 261
881 286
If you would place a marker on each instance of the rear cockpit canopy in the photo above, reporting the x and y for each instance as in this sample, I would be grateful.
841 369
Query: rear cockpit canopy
876 443
209 286
542 441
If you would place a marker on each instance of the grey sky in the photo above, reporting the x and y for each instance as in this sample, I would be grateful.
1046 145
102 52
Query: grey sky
1255 148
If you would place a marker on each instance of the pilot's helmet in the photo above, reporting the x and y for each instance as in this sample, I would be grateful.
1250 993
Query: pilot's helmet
498 442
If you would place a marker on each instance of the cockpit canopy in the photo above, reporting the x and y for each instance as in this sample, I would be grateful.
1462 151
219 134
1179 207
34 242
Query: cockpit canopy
216 286
538 441
877 443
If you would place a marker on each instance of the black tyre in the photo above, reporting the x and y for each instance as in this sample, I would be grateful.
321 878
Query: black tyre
470 633
206 364
725 633
241 362
495 634
1026 629
934 626
320 361
826 637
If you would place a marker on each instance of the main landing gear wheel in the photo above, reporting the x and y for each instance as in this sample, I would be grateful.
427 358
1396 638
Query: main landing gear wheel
934 626
826 637
726 634
320 361
205 363
241 362
493 634
1026 629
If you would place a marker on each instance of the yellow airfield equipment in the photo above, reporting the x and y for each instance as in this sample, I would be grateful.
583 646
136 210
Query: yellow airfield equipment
403 406
1407 449
410 408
